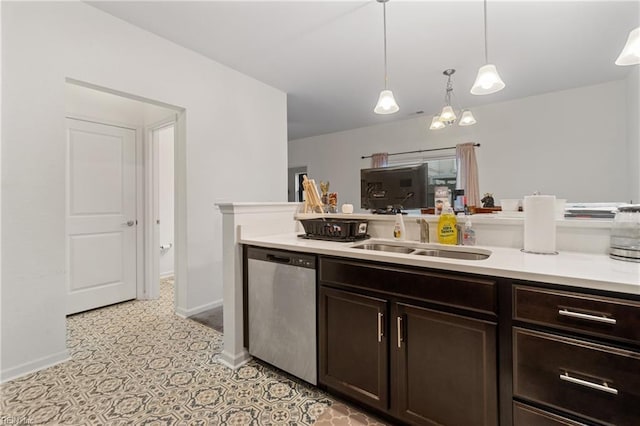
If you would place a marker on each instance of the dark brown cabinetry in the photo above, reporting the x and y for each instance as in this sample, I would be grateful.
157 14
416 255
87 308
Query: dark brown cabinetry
419 357
433 347
524 415
353 344
576 354
446 368
606 317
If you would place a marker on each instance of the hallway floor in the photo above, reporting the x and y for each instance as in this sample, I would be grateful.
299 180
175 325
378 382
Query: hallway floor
139 363
211 318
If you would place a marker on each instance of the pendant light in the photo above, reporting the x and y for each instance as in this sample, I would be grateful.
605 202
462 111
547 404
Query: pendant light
630 54
488 80
467 118
386 102
436 123
448 115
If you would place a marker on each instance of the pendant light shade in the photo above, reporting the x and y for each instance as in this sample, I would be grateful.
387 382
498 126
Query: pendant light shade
436 123
630 54
447 115
488 81
386 103
467 118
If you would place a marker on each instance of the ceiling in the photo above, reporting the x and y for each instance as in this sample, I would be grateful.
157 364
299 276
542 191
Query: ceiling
328 55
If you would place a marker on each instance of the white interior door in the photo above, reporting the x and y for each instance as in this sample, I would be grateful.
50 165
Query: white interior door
101 215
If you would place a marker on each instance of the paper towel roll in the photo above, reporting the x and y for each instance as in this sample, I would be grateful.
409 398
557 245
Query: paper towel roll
540 224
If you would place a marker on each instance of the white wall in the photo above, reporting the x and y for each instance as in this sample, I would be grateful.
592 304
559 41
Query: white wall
165 199
228 115
570 143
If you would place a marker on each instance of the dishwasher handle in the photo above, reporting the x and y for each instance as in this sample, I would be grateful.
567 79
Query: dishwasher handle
278 259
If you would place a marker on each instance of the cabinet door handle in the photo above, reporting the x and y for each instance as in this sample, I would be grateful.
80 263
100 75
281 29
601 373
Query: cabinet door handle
604 387
568 313
399 322
380 332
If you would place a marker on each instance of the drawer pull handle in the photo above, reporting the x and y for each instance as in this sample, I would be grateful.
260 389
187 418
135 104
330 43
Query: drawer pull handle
399 332
603 387
568 313
380 333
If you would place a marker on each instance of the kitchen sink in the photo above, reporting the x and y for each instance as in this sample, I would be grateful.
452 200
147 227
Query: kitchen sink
451 254
473 254
386 247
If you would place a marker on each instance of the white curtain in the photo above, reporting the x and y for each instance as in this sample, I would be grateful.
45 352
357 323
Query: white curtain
379 159
467 175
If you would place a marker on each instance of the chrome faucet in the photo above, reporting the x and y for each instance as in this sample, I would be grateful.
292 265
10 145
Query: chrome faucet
424 230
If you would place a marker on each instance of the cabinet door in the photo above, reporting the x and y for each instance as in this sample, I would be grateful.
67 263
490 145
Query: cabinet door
446 368
353 346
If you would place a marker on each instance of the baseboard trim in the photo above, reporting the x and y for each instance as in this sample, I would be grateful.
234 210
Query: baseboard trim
186 313
167 275
33 366
234 361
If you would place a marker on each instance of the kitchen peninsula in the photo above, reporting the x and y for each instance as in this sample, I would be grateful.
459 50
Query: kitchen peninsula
517 319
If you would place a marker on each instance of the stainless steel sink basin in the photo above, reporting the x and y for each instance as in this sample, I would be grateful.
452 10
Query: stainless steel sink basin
386 247
471 254
451 254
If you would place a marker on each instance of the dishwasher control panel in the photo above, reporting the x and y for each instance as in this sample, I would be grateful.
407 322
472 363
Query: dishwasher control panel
300 260
304 263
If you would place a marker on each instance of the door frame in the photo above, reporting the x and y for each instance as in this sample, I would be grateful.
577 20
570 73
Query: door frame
292 175
152 208
180 191
139 202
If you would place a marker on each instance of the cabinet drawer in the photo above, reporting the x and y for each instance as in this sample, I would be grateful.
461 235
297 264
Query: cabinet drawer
471 293
524 415
598 316
597 382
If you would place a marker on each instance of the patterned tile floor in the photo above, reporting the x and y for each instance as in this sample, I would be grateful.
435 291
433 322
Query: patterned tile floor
138 363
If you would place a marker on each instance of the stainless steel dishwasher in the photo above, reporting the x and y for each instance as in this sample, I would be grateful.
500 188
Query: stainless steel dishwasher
281 289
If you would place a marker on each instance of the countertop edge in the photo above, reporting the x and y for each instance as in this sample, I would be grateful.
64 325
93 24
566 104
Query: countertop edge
573 270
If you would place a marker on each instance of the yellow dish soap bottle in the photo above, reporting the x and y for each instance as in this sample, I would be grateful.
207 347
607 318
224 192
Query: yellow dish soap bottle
447 231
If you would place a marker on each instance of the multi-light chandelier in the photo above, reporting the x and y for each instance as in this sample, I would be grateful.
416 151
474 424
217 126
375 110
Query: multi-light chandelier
448 116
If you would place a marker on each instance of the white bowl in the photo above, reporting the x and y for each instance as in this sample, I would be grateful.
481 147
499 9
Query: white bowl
347 208
510 205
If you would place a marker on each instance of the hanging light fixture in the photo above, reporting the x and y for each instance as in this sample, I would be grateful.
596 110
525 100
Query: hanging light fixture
436 123
488 80
467 118
448 115
386 102
630 54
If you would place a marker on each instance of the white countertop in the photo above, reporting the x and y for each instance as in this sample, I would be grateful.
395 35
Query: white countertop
506 218
592 271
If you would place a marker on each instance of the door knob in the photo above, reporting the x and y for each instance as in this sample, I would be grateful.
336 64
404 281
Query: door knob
129 223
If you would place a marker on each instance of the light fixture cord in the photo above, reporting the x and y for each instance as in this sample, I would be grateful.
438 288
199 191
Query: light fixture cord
384 19
486 49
